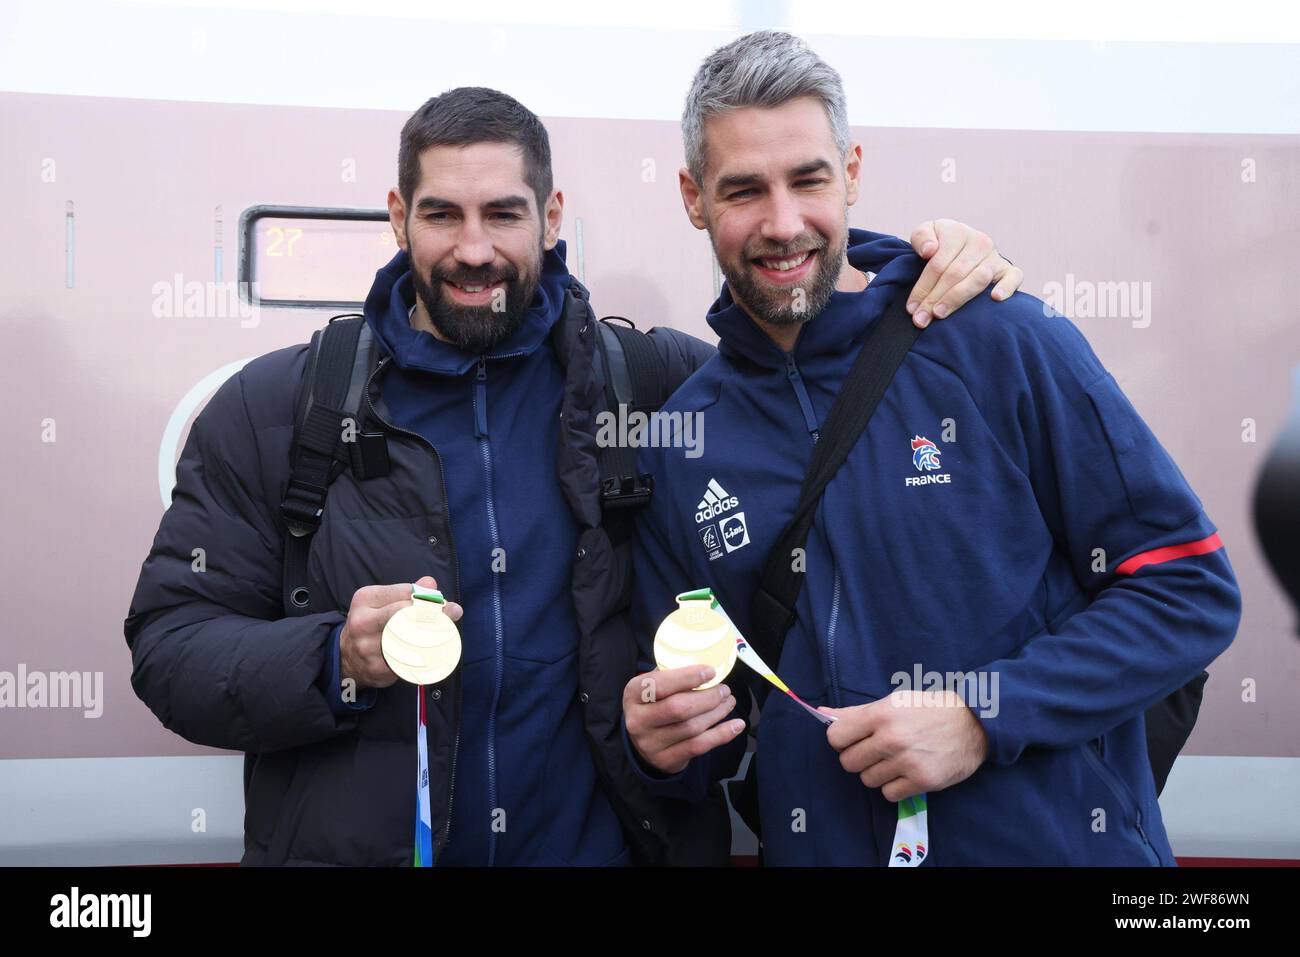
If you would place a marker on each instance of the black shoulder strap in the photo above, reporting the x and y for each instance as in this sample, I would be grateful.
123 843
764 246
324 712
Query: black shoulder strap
635 381
328 429
772 607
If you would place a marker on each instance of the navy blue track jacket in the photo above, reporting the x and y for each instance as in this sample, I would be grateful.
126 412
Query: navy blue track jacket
1007 513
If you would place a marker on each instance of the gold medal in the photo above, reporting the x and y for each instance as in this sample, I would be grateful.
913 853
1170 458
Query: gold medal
420 643
695 634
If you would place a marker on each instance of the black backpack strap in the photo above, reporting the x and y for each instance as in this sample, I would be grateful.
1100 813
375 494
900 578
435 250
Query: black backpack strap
329 408
635 381
772 607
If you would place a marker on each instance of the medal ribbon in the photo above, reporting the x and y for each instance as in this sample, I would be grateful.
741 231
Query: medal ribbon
749 656
912 832
423 856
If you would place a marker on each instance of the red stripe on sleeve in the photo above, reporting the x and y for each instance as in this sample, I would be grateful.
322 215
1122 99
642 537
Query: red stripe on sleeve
1169 553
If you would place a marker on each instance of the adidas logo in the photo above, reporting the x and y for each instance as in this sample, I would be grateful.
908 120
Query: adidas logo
716 501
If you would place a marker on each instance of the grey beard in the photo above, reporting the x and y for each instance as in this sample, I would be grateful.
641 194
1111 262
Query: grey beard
779 308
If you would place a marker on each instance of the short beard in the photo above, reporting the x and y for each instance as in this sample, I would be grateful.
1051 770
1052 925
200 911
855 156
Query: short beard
782 307
479 329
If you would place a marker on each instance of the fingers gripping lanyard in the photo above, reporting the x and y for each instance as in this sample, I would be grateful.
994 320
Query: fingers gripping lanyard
912 832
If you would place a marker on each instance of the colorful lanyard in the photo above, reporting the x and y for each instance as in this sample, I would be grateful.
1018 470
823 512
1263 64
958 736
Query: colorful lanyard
423 819
748 655
912 832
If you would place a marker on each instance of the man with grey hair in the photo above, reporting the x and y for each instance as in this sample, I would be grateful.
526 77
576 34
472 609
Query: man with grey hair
771 68
960 536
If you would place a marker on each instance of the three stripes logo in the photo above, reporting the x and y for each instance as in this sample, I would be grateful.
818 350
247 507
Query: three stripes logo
716 501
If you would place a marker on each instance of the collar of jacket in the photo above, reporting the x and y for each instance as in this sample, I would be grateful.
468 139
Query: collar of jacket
388 305
845 316
573 338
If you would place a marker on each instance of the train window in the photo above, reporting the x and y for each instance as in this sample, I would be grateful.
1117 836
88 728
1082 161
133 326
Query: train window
311 257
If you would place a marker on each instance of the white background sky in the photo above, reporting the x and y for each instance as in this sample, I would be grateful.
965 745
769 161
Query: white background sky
1190 66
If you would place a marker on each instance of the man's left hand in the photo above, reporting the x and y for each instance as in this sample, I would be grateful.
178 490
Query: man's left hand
909 743
962 263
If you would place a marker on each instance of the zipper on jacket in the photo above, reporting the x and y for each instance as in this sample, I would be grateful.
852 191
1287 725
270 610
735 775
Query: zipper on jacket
833 665
480 401
814 432
805 404
1112 781
455 564
451 786
498 623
